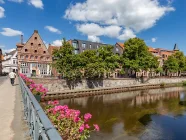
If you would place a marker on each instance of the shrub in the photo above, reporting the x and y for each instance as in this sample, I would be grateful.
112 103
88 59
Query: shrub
184 83
68 121
162 85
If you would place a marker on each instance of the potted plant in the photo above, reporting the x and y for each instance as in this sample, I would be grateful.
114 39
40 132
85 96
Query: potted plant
38 91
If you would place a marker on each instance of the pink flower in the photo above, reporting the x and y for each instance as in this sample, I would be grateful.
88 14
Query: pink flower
87 116
81 128
56 102
96 127
87 126
76 119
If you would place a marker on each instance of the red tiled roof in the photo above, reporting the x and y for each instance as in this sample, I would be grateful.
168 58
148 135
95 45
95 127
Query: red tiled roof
121 44
152 50
52 48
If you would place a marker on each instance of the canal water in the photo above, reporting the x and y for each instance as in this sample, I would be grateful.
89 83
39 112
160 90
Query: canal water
145 115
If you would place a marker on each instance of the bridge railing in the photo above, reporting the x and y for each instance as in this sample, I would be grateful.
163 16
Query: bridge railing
40 127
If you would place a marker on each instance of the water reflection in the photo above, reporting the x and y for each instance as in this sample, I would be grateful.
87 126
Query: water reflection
150 114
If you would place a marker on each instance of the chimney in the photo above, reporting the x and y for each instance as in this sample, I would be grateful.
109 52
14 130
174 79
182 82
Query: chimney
35 31
21 39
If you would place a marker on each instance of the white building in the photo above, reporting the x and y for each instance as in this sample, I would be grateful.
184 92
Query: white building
9 62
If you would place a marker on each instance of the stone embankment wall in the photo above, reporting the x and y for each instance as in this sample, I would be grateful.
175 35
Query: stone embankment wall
55 85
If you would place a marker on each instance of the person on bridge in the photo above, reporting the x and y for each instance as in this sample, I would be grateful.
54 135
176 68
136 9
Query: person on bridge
12 77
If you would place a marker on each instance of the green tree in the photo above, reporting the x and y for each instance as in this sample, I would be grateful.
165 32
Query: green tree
136 56
171 64
175 62
66 62
109 60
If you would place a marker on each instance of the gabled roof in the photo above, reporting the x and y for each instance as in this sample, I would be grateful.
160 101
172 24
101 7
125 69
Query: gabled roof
11 53
35 42
120 44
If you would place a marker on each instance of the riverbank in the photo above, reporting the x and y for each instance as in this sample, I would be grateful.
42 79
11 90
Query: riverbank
92 92
61 85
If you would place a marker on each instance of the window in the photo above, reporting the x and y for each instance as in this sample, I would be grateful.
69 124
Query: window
41 58
35 51
24 70
24 64
39 45
76 51
26 56
36 57
48 58
31 57
44 72
44 51
117 49
26 50
97 46
74 45
90 46
83 45
35 38
14 61
22 57
31 44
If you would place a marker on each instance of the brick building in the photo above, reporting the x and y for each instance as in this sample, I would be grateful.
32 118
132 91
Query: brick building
33 57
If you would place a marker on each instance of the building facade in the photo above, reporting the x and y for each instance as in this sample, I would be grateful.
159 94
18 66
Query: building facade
9 62
1 58
82 45
33 57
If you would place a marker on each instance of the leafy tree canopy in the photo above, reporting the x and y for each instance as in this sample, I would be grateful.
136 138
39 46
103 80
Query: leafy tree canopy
137 57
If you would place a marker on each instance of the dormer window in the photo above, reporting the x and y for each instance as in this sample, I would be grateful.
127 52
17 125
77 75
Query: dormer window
26 50
35 38
35 51
31 44
39 45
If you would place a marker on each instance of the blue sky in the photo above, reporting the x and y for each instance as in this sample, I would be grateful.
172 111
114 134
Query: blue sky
161 23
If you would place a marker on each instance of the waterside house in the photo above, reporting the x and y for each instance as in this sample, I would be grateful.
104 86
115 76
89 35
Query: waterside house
9 62
33 57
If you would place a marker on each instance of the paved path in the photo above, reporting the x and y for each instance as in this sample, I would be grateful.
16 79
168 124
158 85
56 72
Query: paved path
11 122
2 79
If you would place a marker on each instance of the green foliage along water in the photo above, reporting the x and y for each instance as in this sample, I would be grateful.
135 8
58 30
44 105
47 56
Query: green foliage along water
151 114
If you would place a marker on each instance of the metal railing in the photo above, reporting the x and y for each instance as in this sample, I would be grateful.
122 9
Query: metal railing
40 127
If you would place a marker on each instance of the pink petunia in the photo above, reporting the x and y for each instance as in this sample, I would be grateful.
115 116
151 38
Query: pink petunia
96 127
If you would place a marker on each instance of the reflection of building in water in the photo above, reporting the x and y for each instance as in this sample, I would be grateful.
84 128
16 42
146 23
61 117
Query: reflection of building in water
79 101
151 98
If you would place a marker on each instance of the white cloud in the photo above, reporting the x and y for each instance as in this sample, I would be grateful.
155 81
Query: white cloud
53 29
154 39
129 16
94 31
57 43
10 32
36 3
136 14
2 12
18 1
2 1
93 38
127 34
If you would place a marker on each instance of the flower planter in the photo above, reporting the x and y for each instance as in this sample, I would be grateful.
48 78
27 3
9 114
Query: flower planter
38 97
